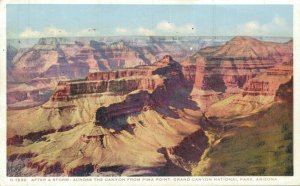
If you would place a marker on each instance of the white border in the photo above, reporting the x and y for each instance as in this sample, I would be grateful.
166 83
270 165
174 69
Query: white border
150 2
281 180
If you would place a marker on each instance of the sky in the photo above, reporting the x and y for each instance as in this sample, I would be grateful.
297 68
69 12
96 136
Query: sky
34 20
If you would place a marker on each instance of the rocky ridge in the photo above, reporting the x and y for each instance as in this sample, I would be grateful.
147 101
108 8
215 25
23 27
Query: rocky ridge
220 72
151 109
97 121
59 59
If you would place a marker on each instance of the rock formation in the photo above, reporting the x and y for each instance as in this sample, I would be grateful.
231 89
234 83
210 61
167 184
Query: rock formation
137 119
57 58
104 112
122 81
256 93
224 70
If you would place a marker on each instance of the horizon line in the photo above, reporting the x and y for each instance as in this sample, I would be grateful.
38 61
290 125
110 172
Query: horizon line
150 36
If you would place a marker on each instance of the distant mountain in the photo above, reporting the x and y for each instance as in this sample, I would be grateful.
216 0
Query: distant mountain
53 59
73 58
224 70
248 47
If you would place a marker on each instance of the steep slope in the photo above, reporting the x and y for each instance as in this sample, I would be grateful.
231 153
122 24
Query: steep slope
163 118
90 119
219 72
257 144
257 93
120 55
45 59
247 47
65 58
39 67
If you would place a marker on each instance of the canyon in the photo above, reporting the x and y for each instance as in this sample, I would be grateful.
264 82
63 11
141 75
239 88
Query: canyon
55 59
112 109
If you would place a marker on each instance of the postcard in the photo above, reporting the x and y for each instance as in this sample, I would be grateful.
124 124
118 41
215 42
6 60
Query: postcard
149 93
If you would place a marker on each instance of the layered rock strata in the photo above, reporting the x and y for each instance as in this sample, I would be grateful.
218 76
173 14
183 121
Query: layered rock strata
122 81
122 112
218 72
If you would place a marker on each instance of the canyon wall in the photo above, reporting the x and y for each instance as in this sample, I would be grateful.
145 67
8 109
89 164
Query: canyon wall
62 59
223 71
146 117
123 81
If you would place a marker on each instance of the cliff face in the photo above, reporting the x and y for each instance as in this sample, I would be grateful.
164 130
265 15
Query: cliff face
45 59
110 75
36 92
285 92
66 90
56 58
226 69
189 72
256 93
40 67
133 103
119 55
102 120
116 110
240 59
160 74
247 47
177 155
268 82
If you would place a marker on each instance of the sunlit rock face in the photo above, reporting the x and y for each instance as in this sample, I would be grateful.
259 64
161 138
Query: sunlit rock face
226 69
141 120
108 111
160 74
55 59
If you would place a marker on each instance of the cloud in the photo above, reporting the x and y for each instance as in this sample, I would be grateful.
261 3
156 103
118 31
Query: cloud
161 28
48 32
29 33
56 32
251 26
276 27
278 21
120 30
145 31
171 28
166 26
